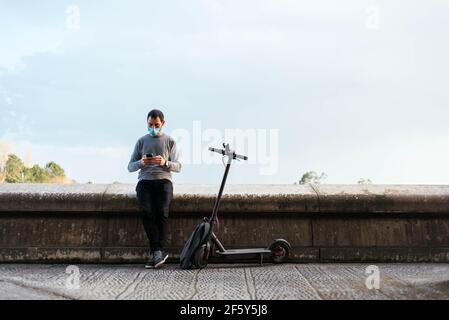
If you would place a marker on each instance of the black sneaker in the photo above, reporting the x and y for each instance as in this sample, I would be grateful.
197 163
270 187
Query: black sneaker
159 258
150 262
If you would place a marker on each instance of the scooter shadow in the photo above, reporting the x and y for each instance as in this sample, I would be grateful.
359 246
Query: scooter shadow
237 265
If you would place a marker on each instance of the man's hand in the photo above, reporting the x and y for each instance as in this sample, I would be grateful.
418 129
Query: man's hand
155 160
158 160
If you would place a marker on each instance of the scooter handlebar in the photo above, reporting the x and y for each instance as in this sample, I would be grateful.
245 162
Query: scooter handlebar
223 152
217 150
240 156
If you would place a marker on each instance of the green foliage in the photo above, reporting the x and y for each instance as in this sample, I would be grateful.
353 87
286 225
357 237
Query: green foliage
36 174
312 177
54 169
14 169
16 172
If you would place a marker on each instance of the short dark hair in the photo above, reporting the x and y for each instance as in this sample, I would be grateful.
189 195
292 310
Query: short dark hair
155 113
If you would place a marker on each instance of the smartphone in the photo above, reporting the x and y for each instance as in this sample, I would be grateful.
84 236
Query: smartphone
149 155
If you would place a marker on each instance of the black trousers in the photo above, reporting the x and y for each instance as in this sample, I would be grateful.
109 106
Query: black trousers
154 197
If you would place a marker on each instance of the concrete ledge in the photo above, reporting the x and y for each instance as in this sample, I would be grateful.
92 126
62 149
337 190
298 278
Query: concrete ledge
100 223
187 198
329 198
382 198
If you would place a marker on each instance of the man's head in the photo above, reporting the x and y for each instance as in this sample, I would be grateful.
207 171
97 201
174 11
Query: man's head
155 121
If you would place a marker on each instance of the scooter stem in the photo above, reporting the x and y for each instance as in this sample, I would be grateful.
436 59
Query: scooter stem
231 155
217 201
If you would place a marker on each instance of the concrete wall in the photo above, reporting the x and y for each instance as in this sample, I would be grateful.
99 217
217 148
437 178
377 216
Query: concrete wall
100 223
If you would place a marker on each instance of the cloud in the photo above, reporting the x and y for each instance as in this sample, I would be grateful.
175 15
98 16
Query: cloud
35 36
28 42
8 100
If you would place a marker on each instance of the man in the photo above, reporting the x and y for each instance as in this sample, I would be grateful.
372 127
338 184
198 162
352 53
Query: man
156 155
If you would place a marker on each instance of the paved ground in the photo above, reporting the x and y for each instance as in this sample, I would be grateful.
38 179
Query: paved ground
231 281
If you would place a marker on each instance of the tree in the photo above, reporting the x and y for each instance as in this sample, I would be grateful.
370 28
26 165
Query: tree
312 177
54 169
36 174
4 152
16 172
14 169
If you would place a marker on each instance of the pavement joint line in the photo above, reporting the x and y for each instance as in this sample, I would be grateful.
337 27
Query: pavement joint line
254 284
246 270
195 284
310 284
122 294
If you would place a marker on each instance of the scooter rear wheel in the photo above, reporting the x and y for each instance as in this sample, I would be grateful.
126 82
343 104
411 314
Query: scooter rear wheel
280 251
201 256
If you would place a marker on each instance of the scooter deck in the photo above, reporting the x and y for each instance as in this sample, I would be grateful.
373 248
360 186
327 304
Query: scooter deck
232 252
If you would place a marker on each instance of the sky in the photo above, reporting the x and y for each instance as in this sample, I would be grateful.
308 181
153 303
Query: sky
353 88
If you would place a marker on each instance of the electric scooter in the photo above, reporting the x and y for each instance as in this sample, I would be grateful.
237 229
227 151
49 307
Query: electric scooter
203 242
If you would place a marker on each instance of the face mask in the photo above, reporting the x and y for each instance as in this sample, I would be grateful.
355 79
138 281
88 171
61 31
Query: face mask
154 131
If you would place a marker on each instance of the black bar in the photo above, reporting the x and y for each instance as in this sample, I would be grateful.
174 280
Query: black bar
217 202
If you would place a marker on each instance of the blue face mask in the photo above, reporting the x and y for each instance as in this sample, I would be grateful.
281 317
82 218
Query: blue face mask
154 131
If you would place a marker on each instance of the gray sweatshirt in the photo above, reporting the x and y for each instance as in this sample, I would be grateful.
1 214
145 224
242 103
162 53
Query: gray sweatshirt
162 145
